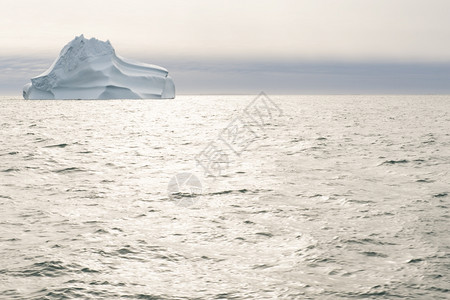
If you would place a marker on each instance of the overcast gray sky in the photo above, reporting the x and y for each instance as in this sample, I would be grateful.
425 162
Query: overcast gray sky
243 46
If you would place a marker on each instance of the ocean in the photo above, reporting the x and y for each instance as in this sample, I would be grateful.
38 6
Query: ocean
226 197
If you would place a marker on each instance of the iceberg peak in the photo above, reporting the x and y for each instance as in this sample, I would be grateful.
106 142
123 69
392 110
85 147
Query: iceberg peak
87 47
90 69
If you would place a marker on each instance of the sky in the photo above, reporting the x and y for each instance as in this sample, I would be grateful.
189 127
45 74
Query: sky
244 46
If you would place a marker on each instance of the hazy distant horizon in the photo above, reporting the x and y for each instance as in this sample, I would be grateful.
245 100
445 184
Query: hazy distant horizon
230 77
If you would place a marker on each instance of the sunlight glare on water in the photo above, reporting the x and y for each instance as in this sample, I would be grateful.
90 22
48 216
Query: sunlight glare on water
337 197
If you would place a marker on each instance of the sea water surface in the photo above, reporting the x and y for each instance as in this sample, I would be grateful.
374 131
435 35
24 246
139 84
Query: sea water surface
337 197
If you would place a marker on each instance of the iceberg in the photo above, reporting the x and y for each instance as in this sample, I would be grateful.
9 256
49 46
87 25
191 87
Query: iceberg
91 69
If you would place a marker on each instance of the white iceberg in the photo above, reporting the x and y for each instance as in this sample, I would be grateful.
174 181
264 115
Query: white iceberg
90 69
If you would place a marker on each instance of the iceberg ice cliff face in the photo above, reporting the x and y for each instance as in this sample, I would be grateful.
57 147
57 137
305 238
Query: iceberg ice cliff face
90 69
